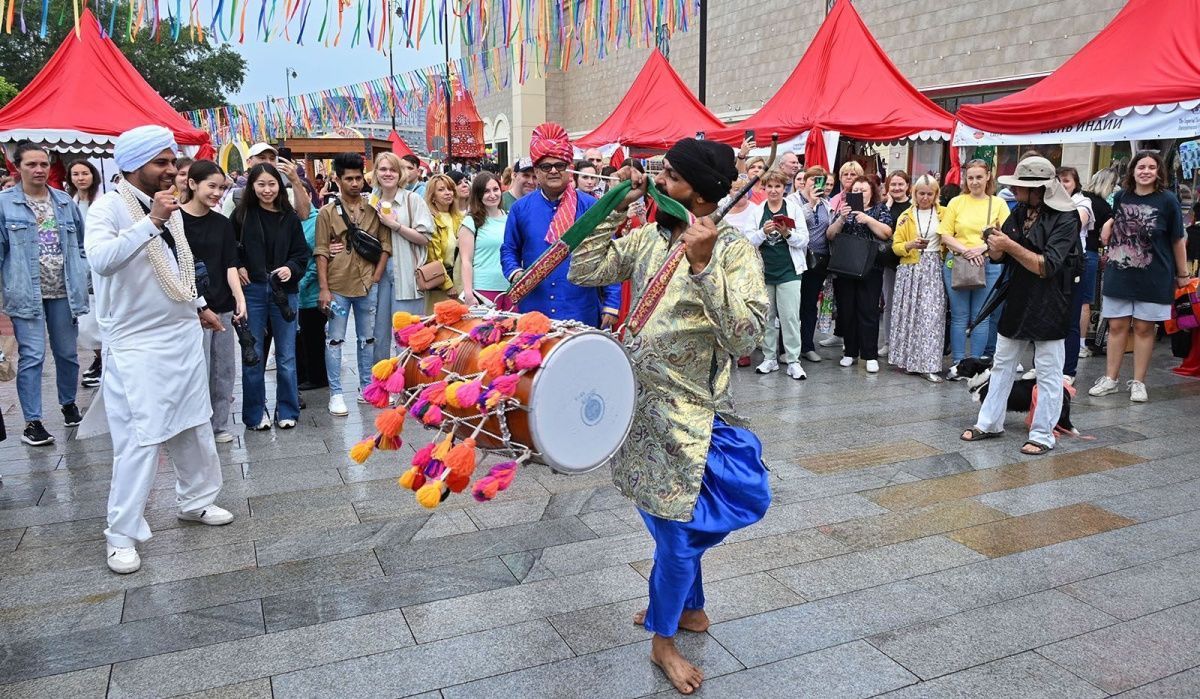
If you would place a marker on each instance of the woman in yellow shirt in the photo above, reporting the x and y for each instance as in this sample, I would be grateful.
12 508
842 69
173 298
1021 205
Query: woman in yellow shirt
961 228
919 301
440 195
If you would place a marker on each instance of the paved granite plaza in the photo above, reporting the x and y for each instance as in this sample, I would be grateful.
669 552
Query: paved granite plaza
895 560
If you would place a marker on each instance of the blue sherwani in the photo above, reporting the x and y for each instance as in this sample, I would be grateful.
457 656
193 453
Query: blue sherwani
525 240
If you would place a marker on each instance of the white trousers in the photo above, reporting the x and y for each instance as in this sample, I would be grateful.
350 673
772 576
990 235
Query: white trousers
1048 361
193 452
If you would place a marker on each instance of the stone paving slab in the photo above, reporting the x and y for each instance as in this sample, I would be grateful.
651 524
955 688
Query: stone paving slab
1023 676
81 684
1144 589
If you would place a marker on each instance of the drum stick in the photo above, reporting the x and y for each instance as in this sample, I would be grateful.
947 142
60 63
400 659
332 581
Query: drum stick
599 177
722 211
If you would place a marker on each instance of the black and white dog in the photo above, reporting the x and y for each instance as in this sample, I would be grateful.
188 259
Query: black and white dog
978 373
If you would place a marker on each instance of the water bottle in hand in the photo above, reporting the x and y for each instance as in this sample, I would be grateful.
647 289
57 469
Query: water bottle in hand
338 309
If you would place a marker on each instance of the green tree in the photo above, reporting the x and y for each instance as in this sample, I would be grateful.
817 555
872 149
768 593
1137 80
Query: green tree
188 74
7 91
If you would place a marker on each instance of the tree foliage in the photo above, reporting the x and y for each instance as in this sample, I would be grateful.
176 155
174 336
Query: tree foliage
188 74
7 91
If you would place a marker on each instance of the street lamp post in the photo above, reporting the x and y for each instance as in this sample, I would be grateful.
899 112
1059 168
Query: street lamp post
288 74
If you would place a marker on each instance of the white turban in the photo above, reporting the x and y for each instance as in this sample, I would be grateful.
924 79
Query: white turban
138 146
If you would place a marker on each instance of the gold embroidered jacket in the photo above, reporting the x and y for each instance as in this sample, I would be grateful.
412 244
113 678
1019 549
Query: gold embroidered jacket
682 356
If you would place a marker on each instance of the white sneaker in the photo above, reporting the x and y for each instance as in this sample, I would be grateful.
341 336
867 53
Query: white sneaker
796 371
812 356
767 366
831 341
884 350
361 399
262 426
872 366
223 436
212 515
1137 392
1103 387
287 424
1070 380
337 405
1031 374
846 361
1084 353
123 559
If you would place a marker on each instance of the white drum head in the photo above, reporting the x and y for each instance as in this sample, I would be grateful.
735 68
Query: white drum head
582 402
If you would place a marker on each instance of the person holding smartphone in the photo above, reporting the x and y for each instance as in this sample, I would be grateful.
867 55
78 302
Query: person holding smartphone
809 194
296 194
861 214
782 240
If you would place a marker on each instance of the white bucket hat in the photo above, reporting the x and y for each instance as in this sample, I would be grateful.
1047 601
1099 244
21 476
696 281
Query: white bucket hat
1036 171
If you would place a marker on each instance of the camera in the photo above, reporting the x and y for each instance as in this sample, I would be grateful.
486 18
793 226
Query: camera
280 298
246 340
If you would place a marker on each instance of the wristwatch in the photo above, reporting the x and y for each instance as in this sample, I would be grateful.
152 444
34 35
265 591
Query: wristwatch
201 310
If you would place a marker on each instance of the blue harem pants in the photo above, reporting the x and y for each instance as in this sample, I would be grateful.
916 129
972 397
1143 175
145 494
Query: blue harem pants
734 493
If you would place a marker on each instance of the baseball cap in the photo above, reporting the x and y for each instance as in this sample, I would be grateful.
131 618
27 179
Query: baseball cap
260 148
524 165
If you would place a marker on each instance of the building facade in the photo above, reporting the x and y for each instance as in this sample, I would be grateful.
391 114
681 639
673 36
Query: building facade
966 52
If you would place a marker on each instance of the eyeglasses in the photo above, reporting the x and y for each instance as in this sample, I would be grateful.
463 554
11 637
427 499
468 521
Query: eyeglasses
595 160
553 167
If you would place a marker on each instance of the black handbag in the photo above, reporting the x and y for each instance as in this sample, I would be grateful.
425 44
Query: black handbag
363 243
852 256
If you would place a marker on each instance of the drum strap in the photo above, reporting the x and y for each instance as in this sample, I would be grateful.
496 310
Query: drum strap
576 234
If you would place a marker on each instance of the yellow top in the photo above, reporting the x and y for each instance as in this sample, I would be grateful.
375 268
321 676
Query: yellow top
444 242
682 356
966 217
909 229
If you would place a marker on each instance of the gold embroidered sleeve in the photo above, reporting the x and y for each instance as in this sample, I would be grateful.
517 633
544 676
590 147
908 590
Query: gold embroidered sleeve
734 295
600 259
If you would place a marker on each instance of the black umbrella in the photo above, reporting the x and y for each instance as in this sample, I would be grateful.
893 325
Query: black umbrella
993 301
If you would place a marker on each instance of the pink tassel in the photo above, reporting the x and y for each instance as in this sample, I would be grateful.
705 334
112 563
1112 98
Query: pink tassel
404 334
433 416
528 359
468 393
395 382
506 385
423 456
376 394
434 392
497 479
431 365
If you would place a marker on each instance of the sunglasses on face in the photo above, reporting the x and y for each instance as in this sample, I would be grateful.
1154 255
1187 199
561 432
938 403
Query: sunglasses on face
552 167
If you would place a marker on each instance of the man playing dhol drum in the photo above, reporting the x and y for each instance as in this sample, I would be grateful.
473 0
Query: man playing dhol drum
694 474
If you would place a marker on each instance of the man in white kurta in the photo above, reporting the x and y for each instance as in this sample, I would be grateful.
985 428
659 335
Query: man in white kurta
155 384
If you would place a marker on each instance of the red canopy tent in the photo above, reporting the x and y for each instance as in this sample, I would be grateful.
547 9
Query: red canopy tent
844 84
1139 78
466 137
657 111
86 96
400 147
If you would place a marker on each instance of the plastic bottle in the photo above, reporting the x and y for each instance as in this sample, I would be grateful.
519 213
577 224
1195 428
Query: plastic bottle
338 309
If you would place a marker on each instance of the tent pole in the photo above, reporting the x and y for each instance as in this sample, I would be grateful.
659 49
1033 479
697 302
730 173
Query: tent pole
702 87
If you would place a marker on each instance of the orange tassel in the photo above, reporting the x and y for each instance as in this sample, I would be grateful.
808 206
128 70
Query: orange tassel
534 323
457 482
408 478
422 339
449 312
390 422
461 459
359 452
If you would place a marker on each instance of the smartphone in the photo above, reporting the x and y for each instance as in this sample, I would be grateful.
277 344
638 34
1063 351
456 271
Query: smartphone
819 182
855 200
783 222
749 134
284 152
699 135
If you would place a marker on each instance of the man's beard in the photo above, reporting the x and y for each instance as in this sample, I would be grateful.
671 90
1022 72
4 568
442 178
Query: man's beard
667 221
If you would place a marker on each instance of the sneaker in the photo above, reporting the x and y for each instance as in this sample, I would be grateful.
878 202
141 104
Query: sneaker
796 371
91 377
35 435
1137 392
1103 387
361 399
767 366
71 416
286 424
831 341
884 350
123 559
872 366
1069 379
812 356
846 361
1031 374
90 381
212 515
223 436
337 406
262 426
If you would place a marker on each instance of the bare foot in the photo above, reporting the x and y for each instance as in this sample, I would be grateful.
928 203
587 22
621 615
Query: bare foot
694 620
685 676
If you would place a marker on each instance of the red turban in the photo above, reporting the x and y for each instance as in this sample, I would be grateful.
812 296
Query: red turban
550 139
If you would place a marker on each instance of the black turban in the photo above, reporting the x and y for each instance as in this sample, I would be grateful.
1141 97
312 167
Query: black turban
706 165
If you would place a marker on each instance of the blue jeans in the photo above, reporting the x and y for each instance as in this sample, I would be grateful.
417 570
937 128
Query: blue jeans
262 310
363 308
964 306
1084 292
386 305
31 347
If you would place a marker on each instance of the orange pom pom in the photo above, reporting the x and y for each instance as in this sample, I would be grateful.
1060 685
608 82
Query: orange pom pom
449 312
461 459
390 422
457 482
534 323
422 339
359 452
430 494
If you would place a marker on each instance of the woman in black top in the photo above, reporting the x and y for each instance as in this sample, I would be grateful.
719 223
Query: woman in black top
858 299
273 256
210 237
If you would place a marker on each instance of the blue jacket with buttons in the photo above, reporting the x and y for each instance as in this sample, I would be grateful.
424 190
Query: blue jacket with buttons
525 240
19 251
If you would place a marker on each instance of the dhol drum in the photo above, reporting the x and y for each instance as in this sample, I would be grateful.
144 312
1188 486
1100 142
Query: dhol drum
572 412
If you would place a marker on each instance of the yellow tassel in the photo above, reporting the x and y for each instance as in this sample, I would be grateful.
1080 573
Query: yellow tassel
359 452
430 495
442 449
406 479
383 368
452 393
401 320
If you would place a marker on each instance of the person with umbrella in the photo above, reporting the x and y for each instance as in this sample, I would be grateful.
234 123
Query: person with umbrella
1040 249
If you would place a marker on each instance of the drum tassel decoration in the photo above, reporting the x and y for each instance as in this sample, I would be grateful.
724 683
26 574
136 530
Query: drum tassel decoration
472 378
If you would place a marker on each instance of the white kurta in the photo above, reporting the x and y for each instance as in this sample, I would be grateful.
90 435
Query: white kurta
154 344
